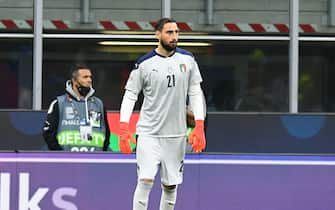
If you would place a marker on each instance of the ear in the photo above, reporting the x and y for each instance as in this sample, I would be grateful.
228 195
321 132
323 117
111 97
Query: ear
158 34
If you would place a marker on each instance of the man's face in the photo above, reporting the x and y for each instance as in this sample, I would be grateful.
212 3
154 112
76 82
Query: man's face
84 77
168 37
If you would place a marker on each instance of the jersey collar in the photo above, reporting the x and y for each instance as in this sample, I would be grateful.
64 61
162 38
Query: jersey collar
163 55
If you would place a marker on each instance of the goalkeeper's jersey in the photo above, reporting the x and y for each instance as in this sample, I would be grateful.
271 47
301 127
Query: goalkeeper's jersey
165 83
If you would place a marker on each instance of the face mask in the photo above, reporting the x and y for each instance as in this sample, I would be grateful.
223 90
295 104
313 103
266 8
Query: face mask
83 90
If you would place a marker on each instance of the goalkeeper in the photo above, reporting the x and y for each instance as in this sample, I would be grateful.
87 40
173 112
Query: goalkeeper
166 76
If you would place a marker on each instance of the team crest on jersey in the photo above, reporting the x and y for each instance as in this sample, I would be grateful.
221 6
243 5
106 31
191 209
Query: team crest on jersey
182 67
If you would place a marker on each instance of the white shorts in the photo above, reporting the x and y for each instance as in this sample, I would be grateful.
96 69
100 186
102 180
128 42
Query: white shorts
166 154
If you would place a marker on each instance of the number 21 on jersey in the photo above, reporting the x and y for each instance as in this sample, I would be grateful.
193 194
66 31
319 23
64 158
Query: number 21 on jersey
171 80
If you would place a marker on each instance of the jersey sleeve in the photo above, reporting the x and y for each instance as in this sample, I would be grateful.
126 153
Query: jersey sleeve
195 76
135 81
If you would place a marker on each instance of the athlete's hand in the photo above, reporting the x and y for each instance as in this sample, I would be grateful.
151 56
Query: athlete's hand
125 136
190 119
197 137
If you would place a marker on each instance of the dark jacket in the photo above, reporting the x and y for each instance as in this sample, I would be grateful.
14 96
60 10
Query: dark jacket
52 126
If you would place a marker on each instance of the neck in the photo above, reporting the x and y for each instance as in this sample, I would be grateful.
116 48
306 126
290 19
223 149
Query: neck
160 50
75 90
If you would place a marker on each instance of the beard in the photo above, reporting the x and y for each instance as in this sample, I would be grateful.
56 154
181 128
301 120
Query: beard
169 47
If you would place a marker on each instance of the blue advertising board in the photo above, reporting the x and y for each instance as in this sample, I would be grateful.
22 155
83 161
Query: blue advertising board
226 133
72 181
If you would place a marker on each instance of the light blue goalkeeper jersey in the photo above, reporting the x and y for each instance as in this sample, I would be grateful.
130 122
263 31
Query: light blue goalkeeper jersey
165 82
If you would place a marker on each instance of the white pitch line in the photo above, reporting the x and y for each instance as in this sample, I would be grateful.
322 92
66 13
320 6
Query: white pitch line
199 162
261 162
66 160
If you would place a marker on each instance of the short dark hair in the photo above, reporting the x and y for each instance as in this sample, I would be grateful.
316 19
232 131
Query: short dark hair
73 74
161 22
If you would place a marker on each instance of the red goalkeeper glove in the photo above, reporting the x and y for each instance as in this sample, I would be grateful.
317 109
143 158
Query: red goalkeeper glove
125 136
197 137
